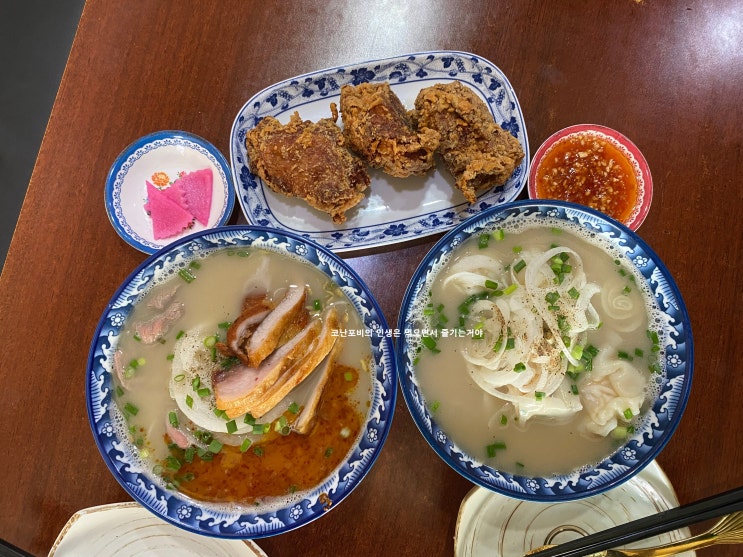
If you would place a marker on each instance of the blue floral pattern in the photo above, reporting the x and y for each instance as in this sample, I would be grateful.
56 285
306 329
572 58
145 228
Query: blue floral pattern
419 68
147 145
121 456
661 419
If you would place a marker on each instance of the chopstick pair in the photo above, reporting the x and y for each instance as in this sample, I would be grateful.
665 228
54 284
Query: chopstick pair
665 521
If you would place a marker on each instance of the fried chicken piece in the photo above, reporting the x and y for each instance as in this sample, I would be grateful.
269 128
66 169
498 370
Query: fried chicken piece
378 128
309 160
476 150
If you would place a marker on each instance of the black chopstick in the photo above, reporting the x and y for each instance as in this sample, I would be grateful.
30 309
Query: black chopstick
665 521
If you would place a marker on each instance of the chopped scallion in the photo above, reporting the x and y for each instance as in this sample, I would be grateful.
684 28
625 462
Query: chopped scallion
231 426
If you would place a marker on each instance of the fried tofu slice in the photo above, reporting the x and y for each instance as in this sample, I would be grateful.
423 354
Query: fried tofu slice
308 160
477 151
380 130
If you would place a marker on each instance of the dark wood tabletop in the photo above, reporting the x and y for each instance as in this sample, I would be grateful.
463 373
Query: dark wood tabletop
668 75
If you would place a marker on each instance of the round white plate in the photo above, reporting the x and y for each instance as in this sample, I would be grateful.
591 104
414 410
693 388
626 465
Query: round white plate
171 152
490 524
128 530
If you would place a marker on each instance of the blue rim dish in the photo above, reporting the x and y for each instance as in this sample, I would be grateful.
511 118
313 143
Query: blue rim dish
661 419
217 520
147 144
419 70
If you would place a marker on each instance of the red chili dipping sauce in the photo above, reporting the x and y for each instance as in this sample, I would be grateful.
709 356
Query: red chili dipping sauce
588 169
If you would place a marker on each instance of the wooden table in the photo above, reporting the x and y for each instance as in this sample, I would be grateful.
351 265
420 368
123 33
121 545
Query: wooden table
666 74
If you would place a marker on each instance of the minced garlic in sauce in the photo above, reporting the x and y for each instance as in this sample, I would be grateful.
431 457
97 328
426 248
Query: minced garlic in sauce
587 169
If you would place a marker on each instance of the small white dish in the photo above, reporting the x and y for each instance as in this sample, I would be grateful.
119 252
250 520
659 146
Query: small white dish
394 209
129 530
493 524
169 153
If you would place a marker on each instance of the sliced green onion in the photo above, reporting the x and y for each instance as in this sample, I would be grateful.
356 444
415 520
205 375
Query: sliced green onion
503 419
173 419
131 409
482 241
619 432
249 419
628 414
189 453
539 395
510 289
348 376
258 451
328 452
519 367
215 446
622 355
203 392
639 353
499 234
293 408
231 426
210 341
245 445
317 305
180 334
173 463
552 297
491 284
189 401
435 405
430 343
517 249
519 266
493 448
186 275
178 378
573 292
574 389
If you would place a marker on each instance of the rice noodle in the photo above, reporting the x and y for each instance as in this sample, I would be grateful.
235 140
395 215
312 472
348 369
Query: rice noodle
537 362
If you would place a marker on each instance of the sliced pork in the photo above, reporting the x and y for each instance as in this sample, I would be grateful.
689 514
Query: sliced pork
266 336
236 388
316 384
254 311
294 375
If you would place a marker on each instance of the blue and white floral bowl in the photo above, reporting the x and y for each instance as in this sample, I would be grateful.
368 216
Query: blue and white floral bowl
660 420
119 453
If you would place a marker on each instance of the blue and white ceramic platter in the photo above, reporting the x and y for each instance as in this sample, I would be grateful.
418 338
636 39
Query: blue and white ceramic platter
170 152
220 520
659 422
395 209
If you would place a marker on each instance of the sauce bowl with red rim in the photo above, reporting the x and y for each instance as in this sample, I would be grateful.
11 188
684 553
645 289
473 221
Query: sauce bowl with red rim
569 166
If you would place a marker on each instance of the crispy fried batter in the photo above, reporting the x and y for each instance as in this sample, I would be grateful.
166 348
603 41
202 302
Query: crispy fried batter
308 160
477 151
379 129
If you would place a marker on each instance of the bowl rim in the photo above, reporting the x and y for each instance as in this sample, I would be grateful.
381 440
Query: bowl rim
515 485
645 196
258 524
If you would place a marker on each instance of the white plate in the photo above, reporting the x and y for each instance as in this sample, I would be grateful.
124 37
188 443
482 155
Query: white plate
490 524
129 530
395 209
170 152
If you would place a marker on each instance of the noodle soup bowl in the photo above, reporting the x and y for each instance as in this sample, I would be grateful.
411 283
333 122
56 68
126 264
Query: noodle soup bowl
123 445
509 444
